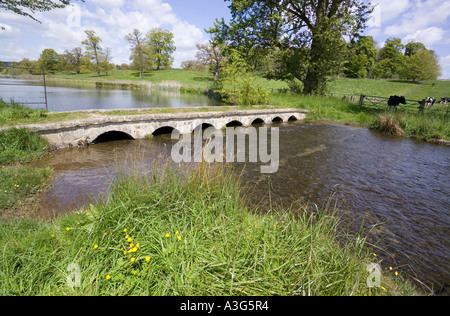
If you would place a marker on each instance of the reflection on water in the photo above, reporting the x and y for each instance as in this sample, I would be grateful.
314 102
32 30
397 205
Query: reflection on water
398 182
79 96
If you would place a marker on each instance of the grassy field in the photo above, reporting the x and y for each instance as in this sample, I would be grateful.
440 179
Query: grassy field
186 235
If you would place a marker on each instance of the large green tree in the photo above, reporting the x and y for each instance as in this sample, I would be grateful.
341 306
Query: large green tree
391 59
362 57
422 64
49 60
303 36
162 45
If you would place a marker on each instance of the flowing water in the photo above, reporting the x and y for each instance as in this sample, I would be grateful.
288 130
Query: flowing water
399 183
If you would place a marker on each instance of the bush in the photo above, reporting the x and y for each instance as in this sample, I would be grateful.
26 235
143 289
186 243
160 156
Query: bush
237 86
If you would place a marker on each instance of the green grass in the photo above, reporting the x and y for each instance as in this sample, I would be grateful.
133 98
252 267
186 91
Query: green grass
17 184
20 146
14 114
200 240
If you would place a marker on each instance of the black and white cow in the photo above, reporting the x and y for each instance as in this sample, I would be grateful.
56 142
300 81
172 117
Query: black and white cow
394 101
430 102
445 100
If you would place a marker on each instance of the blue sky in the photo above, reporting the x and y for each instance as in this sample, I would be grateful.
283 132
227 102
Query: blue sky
427 21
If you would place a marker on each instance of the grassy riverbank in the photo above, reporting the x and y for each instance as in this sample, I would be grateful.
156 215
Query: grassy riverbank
186 235
19 184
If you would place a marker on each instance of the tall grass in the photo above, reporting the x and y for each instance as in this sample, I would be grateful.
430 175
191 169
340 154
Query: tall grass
184 233
21 145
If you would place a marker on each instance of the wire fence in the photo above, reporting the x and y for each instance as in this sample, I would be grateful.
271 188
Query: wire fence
19 90
381 103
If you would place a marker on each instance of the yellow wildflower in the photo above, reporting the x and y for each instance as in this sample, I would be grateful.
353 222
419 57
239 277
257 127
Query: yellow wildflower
147 259
52 236
68 228
396 273
125 253
167 235
108 277
383 288
131 245
95 246
179 237
129 239
133 259
177 232
390 268
126 237
125 230
137 245
134 249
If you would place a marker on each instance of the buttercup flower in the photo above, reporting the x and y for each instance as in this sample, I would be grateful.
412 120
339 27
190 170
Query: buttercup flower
147 259
167 235
108 277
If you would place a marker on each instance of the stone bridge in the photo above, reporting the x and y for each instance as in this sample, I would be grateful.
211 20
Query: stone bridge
140 126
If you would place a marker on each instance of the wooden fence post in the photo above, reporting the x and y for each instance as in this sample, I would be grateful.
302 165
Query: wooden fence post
361 99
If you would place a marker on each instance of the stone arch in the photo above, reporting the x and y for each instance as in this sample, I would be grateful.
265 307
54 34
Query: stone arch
203 126
292 118
112 136
258 121
234 123
164 130
277 119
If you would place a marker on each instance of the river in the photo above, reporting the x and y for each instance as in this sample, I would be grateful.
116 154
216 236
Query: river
397 187
82 96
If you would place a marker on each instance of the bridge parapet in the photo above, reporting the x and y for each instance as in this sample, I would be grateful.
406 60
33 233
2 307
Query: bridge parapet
140 126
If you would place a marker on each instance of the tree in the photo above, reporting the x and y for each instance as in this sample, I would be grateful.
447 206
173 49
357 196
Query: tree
162 45
421 65
28 8
106 60
141 57
362 57
73 59
211 56
305 36
93 49
391 58
412 48
49 60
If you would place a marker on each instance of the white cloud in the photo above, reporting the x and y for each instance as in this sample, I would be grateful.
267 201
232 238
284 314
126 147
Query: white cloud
109 3
427 36
445 61
420 16
63 29
391 9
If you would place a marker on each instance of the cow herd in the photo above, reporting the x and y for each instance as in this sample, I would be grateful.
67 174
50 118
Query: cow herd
395 101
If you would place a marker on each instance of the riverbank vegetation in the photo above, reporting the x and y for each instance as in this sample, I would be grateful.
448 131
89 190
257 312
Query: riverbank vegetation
14 114
189 234
19 184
